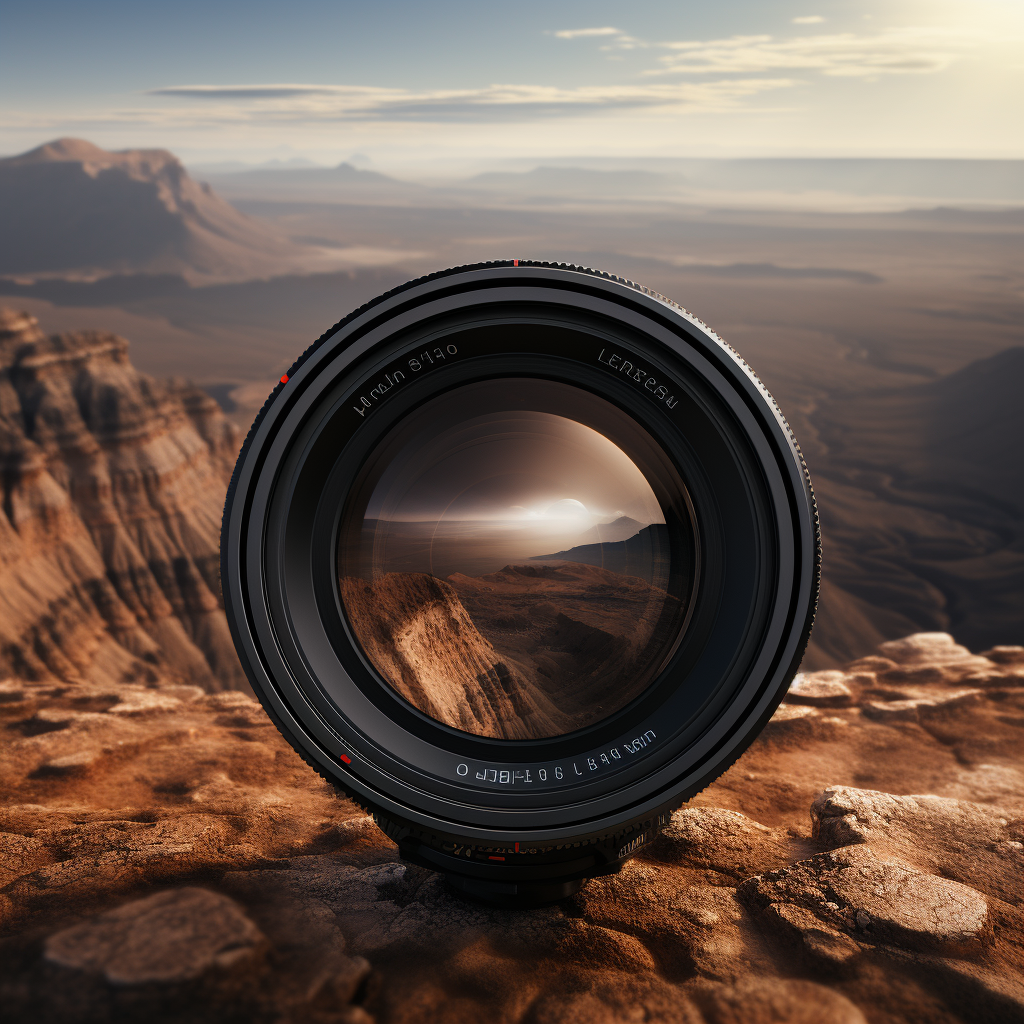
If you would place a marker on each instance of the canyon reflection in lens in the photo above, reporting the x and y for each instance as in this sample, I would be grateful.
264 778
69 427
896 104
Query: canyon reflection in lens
505 557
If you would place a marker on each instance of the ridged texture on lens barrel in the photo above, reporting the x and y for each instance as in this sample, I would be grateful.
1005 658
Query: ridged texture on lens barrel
646 824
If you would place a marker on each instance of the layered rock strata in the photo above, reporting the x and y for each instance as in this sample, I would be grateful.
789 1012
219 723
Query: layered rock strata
418 635
112 487
526 652
165 856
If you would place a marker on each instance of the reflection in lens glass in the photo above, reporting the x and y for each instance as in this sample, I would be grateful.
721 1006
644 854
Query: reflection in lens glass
516 557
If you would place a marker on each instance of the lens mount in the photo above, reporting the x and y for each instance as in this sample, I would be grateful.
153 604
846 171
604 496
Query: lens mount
520 557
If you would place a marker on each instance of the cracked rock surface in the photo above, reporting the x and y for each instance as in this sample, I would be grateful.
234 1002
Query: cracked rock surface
166 857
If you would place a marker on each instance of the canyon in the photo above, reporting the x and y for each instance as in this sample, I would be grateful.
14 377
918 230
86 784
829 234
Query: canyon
165 856
113 485
523 653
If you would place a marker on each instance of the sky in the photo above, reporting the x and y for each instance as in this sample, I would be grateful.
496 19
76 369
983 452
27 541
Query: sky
425 87
498 487
556 475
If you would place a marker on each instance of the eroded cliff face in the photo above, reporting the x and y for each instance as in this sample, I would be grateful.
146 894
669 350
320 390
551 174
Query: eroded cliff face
417 633
113 486
523 653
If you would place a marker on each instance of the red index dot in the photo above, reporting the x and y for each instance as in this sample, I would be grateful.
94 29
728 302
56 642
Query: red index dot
345 758
284 379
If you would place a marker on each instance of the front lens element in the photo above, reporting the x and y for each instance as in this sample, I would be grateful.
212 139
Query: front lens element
516 558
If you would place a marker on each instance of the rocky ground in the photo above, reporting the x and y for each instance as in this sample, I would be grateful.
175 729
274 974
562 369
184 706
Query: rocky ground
164 856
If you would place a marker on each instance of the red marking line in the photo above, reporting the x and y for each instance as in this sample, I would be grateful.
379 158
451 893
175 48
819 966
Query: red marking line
284 379
346 758
495 858
515 263
517 847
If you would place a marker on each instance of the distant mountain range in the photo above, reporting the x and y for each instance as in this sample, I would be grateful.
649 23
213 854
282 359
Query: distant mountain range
839 183
582 182
342 184
971 181
71 208
756 181
608 533
642 555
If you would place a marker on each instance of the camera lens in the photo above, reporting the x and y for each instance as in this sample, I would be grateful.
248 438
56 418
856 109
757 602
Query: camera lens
520 557
507 566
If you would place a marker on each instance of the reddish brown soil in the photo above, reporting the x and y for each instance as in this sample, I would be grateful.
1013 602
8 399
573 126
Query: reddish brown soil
805 885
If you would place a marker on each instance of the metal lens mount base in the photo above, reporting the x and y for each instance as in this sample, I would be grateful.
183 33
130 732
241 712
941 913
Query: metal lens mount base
529 878
519 752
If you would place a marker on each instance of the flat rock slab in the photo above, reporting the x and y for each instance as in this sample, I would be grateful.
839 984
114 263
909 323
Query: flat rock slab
873 899
69 764
19 855
170 937
918 709
973 843
744 909
146 702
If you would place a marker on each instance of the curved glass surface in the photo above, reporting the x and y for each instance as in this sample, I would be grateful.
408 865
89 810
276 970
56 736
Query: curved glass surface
516 557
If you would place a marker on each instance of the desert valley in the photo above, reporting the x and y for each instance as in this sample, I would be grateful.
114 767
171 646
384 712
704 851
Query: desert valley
892 340
166 856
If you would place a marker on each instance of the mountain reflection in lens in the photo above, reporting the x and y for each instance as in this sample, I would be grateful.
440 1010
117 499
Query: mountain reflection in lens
516 557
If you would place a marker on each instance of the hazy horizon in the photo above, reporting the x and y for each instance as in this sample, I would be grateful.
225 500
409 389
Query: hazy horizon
456 490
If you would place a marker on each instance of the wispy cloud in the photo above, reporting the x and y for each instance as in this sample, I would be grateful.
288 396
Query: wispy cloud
617 40
681 77
897 51
494 103
252 92
894 51
583 33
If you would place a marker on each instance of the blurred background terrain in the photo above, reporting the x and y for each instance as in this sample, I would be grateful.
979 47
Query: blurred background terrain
892 338
836 192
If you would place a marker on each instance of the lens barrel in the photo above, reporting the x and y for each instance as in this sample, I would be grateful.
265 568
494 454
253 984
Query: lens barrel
520 557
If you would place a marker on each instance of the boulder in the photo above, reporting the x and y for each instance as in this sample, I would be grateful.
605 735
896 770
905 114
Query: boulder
820 689
724 841
614 998
930 658
1005 654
